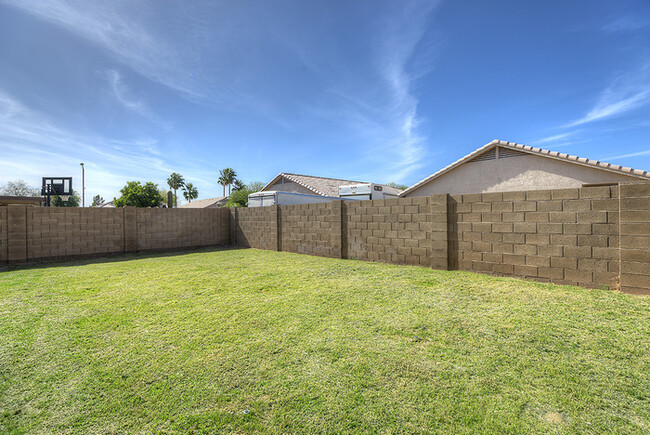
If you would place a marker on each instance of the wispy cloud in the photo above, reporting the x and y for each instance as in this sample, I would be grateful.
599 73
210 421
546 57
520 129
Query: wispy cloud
627 23
628 92
121 93
383 112
561 138
628 155
32 146
120 28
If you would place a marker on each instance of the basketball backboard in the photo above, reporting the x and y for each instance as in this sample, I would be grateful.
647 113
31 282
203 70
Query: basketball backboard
61 186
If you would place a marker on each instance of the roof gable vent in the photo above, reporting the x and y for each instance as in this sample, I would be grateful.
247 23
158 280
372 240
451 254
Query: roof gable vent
507 152
488 155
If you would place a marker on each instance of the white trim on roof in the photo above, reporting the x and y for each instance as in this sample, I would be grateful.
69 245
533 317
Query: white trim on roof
618 169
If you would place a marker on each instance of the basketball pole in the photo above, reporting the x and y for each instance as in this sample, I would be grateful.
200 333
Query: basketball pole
83 185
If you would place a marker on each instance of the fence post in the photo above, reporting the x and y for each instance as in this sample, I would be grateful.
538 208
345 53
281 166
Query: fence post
4 236
634 238
439 232
16 233
344 229
130 229
278 228
336 228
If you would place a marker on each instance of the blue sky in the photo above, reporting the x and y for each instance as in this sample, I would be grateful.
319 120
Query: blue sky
372 90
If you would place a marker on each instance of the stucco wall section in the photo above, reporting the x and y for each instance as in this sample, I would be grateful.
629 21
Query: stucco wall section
525 172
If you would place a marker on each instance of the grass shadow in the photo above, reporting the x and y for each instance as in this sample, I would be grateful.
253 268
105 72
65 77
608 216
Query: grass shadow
113 258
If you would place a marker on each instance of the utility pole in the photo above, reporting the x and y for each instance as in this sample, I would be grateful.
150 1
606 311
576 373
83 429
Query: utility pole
83 185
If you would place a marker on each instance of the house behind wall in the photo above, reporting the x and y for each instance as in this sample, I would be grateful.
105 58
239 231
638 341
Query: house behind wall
506 167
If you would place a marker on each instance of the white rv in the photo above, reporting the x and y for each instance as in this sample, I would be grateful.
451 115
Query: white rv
367 191
262 199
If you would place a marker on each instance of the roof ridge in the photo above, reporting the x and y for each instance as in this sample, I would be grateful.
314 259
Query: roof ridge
324 178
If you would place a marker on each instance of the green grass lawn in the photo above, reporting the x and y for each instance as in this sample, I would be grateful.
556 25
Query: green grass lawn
259 341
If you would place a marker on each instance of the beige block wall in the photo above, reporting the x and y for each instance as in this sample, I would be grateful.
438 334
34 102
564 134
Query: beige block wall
30 234
313 229
592 236
526 172
69 232
164 228
566 236
3 235
635 238
255 227
400 231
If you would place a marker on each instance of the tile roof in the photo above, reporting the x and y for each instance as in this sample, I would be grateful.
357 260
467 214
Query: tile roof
203 203
638 173
319 185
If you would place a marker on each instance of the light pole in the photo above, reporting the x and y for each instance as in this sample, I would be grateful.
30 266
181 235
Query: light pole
83 185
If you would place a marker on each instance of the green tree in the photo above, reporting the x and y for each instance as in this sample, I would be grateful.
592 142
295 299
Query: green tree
229 176
97 200
239 197
190 192
72 201
256 186
175 182
139 195
397 185
19 188
238 185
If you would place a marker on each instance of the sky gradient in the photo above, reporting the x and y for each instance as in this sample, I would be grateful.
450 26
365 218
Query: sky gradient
372 90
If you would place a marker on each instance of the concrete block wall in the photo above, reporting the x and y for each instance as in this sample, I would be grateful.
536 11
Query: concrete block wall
635 238
162 228
566 236
54 233
593 236
399 230
29 234
313 229
255 227
4 232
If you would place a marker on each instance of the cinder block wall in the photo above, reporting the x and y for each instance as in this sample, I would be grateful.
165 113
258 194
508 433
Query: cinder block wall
313 229
635 238
401 231
593 236
54 233
161 228
3 236
567 236
255 227
30 234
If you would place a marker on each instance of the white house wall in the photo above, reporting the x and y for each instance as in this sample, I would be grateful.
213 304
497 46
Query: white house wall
525 172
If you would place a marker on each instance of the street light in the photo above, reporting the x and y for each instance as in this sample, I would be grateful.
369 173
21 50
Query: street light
83 185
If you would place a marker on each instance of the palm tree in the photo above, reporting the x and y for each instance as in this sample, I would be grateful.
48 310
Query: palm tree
223 181
227 177
231 175
238 185
190 192
175 181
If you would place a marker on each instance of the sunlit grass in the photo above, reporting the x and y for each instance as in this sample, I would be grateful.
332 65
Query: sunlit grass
250 341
